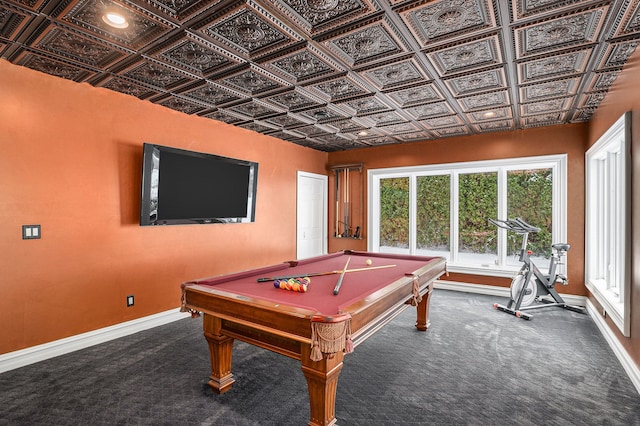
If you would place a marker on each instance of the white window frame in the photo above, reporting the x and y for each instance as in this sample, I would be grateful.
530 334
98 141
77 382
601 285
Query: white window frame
558 163
608 222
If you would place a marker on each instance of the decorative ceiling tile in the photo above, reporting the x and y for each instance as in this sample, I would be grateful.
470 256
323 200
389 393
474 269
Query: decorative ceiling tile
546 106
583 115
365 105
395 74
181 105
550 89
485 100
323 114
440 122
527 8
564 32
490 115
549 119
253 109
602 81
395 129
339 88
195 55
381 67
482 81
286 135
256 126
58 68
286 121
128 87
374 41
379 141
252 81
617 54
553 66
414 136
225 116
294 99
467 56
447 132
179 10
316 15
429 110
78 47
303 65
591 100
142 27
416 95
494 126
156 74
12 20
386 118
312 130
348 126
446 20
210 93
248 29
629 20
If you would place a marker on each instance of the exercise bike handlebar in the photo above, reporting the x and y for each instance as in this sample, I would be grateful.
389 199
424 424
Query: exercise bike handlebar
516 225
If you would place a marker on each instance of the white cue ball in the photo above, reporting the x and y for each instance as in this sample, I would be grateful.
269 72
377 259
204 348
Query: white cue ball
369 262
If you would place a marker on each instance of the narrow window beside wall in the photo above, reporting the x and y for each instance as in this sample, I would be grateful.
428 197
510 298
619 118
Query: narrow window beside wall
607 264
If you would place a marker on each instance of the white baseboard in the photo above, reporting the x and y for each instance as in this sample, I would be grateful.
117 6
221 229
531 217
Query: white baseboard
630 367
623 356
23 357
491 290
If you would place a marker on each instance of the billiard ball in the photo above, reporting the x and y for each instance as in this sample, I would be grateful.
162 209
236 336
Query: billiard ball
368 262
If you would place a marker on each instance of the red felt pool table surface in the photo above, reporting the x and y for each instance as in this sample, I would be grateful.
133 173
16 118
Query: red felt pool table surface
316 327
319 298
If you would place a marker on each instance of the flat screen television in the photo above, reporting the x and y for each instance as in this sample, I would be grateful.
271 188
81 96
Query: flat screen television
183 187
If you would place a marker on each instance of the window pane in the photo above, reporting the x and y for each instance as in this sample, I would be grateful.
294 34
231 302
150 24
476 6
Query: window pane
529 197
478 198
433 214
394 213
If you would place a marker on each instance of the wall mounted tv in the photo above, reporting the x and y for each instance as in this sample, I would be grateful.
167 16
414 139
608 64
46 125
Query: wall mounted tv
182 187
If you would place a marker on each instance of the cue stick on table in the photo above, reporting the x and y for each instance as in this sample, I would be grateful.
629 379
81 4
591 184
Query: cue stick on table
317 274
339 283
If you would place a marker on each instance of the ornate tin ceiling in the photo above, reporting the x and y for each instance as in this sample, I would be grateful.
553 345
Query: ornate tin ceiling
339 74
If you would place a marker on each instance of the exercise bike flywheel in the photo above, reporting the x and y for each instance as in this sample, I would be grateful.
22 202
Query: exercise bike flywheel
530 290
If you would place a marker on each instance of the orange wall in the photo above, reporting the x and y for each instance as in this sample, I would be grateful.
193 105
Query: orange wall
70 160
568 139
623 97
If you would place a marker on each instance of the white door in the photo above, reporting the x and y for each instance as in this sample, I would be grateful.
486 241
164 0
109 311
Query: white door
311 215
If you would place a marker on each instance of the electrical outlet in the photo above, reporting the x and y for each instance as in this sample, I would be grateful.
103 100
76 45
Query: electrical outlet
129 300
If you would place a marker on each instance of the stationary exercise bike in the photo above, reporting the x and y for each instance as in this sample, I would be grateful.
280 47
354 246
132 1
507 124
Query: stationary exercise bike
530 285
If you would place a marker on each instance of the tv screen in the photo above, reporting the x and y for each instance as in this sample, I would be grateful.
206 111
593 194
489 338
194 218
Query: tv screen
181 187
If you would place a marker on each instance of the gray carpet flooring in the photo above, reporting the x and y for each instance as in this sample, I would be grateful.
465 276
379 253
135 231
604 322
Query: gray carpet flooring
475 366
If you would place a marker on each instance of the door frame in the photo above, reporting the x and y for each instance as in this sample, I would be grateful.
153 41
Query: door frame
325 206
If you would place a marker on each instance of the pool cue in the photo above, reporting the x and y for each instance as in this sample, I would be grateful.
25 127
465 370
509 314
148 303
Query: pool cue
318 274
339 283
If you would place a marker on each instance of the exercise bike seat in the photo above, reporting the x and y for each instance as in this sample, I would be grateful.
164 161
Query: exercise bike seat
561 246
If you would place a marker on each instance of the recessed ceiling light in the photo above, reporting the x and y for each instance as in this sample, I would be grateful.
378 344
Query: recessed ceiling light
489 114
115 19
362 133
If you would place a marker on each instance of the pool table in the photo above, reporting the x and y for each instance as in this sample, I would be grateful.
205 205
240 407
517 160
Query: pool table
316 327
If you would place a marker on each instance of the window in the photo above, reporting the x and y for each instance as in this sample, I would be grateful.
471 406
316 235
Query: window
443 210
607 264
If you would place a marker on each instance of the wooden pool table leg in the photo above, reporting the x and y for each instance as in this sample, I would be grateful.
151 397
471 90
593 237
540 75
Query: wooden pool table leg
422 323
322 381
220 353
